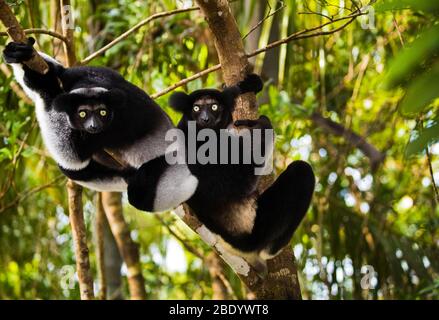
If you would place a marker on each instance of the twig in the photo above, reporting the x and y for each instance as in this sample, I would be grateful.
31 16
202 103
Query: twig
188 247
433 182
296 36
124 35
185 81
28 193
270 14
40 31
14 85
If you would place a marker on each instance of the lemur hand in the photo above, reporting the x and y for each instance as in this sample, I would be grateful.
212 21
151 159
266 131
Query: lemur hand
17 52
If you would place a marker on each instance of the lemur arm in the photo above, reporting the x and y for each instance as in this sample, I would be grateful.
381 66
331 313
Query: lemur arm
36 85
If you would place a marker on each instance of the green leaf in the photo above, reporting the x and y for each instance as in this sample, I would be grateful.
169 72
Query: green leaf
422 92
408 61
423 5
427 136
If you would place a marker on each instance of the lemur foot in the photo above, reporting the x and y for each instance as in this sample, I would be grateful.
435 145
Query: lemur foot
251 83
17 52
262 123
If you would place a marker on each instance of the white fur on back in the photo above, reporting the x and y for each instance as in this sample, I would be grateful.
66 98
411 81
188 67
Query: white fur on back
175 186
53 126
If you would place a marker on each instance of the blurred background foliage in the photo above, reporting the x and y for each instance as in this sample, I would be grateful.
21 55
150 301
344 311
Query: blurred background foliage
372 231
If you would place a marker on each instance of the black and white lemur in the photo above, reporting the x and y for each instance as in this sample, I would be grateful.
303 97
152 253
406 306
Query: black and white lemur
226 199
84 111
87 115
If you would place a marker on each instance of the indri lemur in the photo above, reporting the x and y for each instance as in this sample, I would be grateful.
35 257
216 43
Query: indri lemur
226 199
87 113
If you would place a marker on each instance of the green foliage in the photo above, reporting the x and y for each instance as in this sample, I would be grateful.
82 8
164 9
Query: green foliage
386 219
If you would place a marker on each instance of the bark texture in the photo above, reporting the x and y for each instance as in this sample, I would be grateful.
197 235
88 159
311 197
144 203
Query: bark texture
16 33
281 281
80 240
127 247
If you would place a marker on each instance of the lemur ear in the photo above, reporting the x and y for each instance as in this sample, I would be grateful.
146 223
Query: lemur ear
66 102
180 101
114 98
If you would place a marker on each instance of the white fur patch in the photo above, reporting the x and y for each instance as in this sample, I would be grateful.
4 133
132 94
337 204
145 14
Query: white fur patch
113 185
175 186
89 91
149 147
53 126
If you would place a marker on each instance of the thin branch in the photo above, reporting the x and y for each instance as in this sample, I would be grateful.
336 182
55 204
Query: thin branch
375 156
304 33
40 31
100 247
296 36
270 14
28 193
433 182
14 85
79 234
185 81
188 247
124 35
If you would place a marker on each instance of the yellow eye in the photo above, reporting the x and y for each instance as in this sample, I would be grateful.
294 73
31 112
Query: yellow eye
214 107
196 108
103 113
82 114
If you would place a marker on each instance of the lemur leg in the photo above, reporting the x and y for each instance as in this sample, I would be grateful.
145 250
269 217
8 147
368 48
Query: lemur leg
282 207
158 186
99 177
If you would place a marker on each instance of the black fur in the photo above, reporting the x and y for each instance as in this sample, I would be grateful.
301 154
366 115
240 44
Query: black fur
134 115
224 187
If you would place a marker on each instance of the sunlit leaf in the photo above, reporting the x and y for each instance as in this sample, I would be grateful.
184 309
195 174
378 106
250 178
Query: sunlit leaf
422 92
409 60
424 5
426 137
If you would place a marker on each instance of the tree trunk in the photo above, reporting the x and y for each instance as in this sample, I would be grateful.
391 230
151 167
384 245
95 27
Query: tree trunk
281 281
76 216
129 250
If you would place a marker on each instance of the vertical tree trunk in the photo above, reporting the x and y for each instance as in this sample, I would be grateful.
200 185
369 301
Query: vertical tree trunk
80 240
100 247
281 281
112 264
129 250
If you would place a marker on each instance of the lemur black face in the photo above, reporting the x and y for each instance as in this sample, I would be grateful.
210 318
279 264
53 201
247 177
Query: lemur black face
207 112
91 118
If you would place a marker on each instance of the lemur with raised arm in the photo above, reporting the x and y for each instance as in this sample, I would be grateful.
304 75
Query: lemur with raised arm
88 114
226 199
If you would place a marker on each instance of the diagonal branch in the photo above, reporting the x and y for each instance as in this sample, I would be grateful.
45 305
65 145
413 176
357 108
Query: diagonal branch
40 31
126 34
14 30
304 34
